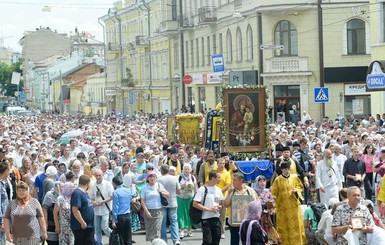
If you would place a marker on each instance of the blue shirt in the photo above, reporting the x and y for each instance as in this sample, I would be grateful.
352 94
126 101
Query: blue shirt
121 202
39 184
151 196
83 201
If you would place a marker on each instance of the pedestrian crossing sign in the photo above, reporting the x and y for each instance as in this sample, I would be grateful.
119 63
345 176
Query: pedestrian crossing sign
321 95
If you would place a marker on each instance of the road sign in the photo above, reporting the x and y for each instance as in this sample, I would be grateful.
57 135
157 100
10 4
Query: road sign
187 79
218 62
271 47
321 95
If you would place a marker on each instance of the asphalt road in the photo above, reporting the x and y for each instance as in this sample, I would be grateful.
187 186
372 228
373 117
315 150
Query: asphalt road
140 239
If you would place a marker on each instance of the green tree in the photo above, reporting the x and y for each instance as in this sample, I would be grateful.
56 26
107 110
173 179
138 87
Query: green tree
6 77
128 81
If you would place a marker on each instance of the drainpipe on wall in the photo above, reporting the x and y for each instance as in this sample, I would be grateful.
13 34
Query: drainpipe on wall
321 53
105 67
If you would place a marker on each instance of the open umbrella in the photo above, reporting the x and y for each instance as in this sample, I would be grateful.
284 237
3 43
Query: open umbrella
73 133
64 140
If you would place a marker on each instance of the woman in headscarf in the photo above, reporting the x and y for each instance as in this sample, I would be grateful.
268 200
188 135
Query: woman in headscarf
264 193
128 182
124 170
48 210
24 222
62 215
250 231
189 187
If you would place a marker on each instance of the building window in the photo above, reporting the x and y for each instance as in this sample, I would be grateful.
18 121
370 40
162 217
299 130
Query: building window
197 51
356 36
186 52
208 51
285 34
382 22
229 47
220 44
174 10
176 55
214 44
203 50
249 43
192 53
239 45
359 105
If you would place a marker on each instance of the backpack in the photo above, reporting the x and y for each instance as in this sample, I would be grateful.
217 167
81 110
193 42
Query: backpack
318 209
192 177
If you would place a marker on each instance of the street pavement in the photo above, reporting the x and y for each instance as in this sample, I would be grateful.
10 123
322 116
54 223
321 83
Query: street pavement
140 239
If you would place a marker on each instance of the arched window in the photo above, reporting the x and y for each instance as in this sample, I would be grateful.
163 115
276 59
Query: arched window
356 36
285 34
229 47
249 43
239 45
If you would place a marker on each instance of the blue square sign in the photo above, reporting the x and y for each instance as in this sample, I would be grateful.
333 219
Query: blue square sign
321 95
218 63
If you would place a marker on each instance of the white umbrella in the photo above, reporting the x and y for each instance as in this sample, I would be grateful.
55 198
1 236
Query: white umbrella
72 134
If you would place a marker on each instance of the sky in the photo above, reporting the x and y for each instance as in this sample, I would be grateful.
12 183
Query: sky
18 16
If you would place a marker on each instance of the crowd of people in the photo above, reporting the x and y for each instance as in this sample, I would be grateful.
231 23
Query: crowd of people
72 179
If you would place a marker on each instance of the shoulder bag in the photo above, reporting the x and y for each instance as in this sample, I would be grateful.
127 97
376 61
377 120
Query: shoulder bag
196 214
163 199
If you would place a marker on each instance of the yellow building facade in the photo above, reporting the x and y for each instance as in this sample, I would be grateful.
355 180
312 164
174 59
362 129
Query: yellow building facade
278 45
377 23
137 59
292 48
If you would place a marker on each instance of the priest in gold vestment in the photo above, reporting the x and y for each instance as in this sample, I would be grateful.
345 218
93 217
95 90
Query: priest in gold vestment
287 192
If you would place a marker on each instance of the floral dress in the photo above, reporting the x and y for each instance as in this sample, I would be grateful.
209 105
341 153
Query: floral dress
66 236
135 220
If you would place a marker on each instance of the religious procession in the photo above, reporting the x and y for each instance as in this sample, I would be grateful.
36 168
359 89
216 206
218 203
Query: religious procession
228 173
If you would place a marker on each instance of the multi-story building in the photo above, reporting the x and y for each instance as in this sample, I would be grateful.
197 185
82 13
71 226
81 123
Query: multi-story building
291 47
93 97
43 73
137 58
44 50
377 38
38 45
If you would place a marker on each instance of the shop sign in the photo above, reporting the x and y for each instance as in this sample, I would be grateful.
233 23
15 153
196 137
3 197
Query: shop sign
355 89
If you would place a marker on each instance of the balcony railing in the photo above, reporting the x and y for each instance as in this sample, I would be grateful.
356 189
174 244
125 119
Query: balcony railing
207 14
285 64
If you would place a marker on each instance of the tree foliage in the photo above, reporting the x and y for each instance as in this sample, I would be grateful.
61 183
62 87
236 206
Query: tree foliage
6 77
